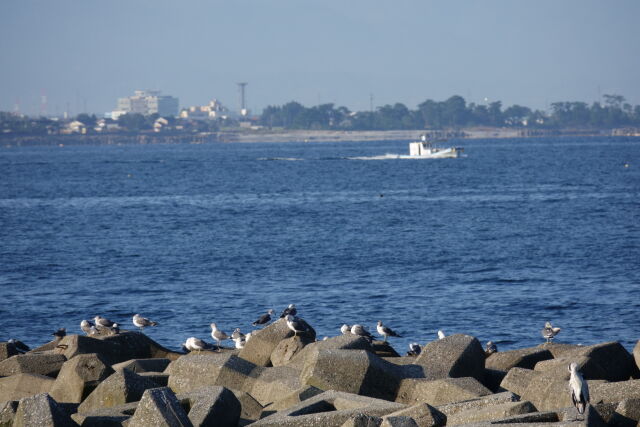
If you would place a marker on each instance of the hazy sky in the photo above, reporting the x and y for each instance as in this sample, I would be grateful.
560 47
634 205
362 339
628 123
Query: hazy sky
88 53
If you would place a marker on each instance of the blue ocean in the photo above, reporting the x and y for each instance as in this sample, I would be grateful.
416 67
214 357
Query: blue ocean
516 233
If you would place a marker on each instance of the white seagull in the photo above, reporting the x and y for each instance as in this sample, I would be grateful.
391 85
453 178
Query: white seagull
218 335
102 322
295 324
386 331
579 389
195 344
414 349
86 326
142 322
490 348
441 335
361 331
549 332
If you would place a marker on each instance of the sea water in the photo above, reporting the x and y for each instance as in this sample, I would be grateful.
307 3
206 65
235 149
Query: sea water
516 233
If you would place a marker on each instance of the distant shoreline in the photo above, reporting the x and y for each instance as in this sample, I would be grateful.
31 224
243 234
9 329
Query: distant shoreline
281 136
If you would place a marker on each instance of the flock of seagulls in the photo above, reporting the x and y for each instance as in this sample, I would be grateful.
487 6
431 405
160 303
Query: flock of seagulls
102 324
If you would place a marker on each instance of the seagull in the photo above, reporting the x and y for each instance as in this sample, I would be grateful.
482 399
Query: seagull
289 310
102 322
345 329
195 344
490 348
237 334
60 333
142 322
414 349
218 335
579 389
247 337
86 326
549 332
115 329
240 342
19 346
441 335
385 331
295 324
361 331
265 318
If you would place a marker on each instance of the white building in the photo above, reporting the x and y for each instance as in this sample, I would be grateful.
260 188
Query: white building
147 102
213 110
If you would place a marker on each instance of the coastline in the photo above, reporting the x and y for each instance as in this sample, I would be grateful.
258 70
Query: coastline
283 136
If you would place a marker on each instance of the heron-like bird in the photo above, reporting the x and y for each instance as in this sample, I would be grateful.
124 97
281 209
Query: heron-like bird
291 310
142 322
549 332
490 348
579 389
385 331
218 335
264 318
345 329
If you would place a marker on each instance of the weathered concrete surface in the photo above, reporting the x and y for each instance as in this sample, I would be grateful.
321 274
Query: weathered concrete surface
607 361
42 411
7 350
250 408
192 372
159 407
614 392
383 349
340 342
398 421
451 409
120 387
493 378
439 392
291 399
78 377
18 386
627 413
271 383
361 420
113 416
491 412
32 363
143 365
423 414
212 406
262 343
636 354
548 391
115 348
162 380
8 412
517 380
286 349
453 356
352 371
331 408
521 358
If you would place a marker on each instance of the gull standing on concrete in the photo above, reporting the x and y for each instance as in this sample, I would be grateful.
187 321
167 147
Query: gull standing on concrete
237 334
218 335
142 322
579 389
345 329
361 331
195 344
265 318
414 349
87 326
102 322
115 329
60 333
295 325
291 310
549 332
385 331
441 335
240 342
490 349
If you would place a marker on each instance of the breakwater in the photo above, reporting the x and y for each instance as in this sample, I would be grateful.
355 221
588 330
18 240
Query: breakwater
284 379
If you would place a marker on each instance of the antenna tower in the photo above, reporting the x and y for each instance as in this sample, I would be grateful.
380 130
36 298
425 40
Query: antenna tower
243 108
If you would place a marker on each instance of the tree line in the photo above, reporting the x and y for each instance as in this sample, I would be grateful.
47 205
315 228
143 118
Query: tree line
454 113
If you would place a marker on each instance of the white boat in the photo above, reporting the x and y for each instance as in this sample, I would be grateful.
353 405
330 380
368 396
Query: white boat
426 149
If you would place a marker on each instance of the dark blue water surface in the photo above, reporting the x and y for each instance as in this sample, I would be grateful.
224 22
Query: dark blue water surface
493 245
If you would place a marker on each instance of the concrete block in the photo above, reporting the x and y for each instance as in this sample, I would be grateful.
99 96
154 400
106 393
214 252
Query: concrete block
212 406
120 387
18 386
423 414
517 380
491 412
454 356
439 392
32 363
521 358
159 407
143 365
79 377
42 411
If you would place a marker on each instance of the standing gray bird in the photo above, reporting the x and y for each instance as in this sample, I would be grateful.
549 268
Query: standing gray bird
490 349
295 325
361 331
549 332
218 335
386 331
142 322
264 318
291 310
579 389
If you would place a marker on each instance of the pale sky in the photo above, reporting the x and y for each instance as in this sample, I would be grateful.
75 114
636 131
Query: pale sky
532 53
